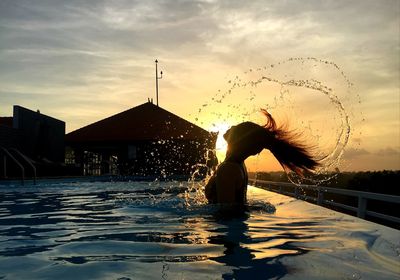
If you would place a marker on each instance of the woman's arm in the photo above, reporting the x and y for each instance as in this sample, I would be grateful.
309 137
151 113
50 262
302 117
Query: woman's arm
210 190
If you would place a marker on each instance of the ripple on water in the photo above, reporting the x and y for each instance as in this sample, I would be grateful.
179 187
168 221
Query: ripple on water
113 234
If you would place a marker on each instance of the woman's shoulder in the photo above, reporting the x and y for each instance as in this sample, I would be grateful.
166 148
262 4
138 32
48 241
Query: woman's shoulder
229 167
230 164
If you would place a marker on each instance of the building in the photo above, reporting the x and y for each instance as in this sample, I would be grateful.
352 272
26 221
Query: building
30 138
145 140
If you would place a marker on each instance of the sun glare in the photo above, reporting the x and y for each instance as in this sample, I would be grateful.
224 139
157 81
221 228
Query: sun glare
221 144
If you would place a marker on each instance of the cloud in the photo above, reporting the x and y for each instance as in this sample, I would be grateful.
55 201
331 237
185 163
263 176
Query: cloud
254 30
353 153
388 151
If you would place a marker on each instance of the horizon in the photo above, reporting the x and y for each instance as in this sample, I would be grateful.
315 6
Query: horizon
83 62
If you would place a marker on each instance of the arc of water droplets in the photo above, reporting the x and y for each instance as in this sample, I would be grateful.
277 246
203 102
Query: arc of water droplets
343 136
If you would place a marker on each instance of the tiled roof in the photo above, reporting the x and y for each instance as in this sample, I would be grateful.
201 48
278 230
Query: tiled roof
144 122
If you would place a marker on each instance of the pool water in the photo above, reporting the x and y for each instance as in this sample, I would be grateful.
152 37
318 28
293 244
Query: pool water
142 230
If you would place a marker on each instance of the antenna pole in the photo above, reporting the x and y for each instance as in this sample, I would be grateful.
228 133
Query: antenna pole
157 78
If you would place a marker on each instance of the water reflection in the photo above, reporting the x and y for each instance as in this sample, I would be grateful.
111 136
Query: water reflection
39 222
250 255
139 232
145 225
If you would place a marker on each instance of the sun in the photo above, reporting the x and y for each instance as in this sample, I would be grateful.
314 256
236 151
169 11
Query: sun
221 144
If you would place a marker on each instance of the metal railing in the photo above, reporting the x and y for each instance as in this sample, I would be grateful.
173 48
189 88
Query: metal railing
362 197
7 153
28 161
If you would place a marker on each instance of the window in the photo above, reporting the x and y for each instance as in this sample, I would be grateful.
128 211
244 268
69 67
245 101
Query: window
92 163
69 156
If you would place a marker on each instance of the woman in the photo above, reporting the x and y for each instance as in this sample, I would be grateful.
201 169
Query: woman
228 184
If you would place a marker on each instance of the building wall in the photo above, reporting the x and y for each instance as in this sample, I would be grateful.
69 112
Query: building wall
9 137
145 158
43 136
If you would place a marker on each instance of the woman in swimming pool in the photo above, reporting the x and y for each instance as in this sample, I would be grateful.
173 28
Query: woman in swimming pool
228 184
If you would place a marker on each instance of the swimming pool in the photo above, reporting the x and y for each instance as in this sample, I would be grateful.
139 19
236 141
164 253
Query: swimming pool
154 230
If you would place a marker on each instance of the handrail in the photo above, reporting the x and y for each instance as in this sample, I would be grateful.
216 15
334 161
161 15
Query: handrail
363 197
369 195
28 161
17 162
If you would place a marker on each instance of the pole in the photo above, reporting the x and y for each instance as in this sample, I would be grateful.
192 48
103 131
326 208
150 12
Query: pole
156 82
157 78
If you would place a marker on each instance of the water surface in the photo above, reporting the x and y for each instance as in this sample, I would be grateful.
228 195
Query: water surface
141 230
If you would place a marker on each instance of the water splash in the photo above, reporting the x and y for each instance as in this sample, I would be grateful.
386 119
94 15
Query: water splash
313 95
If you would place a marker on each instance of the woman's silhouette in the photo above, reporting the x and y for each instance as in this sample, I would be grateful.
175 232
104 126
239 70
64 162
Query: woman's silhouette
229 183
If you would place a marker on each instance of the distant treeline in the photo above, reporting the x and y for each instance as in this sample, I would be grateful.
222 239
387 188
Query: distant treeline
386 181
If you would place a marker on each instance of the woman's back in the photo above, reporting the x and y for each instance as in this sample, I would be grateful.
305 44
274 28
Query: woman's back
228 184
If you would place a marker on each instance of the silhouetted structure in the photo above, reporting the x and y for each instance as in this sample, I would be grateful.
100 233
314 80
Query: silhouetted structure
145 140
31 139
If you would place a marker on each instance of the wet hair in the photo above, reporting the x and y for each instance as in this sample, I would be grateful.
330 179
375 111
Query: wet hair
249 138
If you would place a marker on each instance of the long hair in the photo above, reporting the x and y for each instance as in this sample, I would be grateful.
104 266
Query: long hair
285 145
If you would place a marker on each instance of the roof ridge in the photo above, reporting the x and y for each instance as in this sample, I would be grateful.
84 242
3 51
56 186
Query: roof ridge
106 118
143 122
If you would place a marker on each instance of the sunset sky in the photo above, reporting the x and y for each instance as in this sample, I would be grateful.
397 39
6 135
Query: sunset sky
81 61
